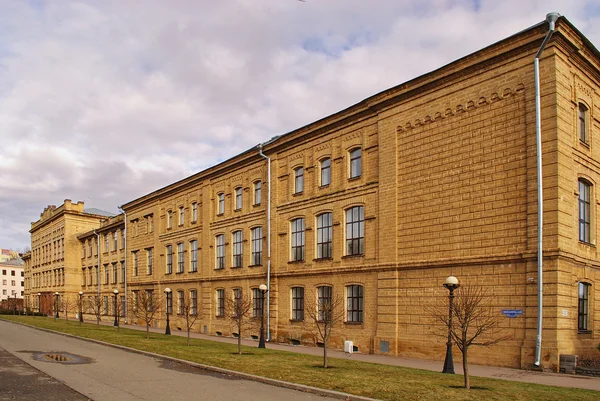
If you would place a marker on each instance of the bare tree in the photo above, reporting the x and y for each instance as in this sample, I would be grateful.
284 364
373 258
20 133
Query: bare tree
238 310
324 316
474 322
67 304
190 314
145 305
95 304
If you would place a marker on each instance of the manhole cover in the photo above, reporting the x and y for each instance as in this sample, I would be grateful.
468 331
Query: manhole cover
61 357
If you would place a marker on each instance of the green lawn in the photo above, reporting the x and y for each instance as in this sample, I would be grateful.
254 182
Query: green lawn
355 377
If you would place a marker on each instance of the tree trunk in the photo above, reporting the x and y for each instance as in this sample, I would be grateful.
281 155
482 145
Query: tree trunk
188 337
466 369
147 331
325 354
239 341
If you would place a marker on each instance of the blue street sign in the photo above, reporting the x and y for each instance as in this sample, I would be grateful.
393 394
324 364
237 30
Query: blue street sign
512 312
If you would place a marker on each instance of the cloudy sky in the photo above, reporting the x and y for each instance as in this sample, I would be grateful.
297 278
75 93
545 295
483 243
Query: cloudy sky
104 101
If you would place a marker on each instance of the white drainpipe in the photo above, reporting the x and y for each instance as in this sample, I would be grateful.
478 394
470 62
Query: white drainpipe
551 18
268 240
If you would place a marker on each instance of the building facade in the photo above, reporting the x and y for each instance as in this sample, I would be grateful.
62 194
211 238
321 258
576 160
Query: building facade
12 280
377 204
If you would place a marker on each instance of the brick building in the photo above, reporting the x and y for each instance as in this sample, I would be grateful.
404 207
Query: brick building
379 203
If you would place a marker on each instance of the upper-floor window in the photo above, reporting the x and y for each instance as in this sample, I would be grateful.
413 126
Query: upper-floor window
180 257
584 212
149 223
237 249
194 212
355 163
324 235
257 192
90 247
123 272
220 203
106 241
256 246
169 259
325 172
355 230
238 198
122 240
193 256
135 262
583 124
298 180
354 303
220 251
297 303
220 302
169 219
181 215
115 241
149 261
297 240
583 306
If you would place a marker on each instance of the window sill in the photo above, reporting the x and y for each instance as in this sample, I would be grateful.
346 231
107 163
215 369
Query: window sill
180 225
584 332
256 265
219 268
584 143
179 273
193 221
587 243
357 256
235 267
168 273
329 259
296 262
220 214
296 320
353 323
298 193
193 271
354 178
257 205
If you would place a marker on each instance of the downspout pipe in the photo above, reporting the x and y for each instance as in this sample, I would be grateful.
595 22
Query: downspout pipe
260 152
98 250
125 258
551 18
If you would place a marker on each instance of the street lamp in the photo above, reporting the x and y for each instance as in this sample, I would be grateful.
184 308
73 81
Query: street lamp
39 305
56 295
168 294
451 284
80 306
15 305
116 324
261 341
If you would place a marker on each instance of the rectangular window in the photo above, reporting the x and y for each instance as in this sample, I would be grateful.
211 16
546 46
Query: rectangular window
123 272
582 112
297 240
299 180
257 192
324 235
135 263
324 303
583 307
220 303
105 311
237 249
221 203
238 198
258 302
169 259
584 212
106 274
180 302
257 246
149 299
193 302
354 303
90 248
194 256
355 163
355 230
115 272
169 219
298 303
220 251
325 172
122 239
106 242
115 241
181 216
150 262
194 212
180 257
122 305
136 300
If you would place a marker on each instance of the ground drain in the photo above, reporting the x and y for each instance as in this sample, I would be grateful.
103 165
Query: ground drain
60 357
57 357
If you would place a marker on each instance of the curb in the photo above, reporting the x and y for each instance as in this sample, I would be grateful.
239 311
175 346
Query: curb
247 376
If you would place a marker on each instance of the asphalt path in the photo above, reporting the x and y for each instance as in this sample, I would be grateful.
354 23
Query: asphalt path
105 373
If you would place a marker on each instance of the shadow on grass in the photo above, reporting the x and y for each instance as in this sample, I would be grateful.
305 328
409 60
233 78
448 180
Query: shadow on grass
242 354
472 387
322 367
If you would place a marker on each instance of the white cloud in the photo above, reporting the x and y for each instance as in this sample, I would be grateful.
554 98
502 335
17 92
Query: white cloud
107 101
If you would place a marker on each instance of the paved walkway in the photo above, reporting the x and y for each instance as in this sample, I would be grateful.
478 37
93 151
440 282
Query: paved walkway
527 376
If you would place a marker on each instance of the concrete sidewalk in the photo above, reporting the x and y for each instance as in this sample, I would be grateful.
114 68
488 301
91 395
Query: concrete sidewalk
526 376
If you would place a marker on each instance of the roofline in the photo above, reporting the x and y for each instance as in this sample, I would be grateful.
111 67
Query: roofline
369 105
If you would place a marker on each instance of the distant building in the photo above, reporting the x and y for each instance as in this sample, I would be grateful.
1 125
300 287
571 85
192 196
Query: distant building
11 279
8 254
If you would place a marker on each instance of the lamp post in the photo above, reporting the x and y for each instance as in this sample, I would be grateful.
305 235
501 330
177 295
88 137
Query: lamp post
80 306
116 323
168 294
15 305
56 295
261 341
451 284
39 300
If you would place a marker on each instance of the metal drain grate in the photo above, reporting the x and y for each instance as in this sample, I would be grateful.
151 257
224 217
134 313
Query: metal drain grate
57 357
